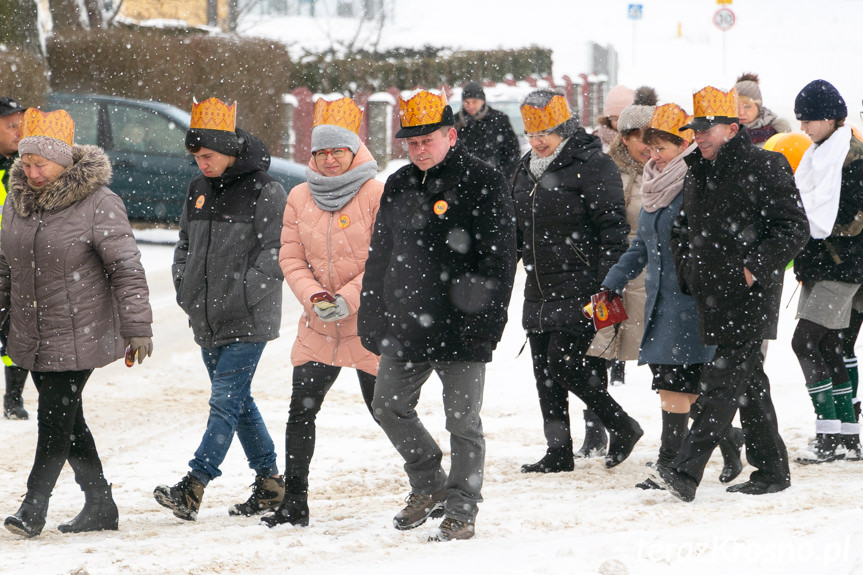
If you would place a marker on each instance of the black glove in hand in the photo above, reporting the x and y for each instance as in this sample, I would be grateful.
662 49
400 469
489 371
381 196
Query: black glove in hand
140 347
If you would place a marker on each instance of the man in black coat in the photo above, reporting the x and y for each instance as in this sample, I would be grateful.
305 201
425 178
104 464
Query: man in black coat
486 133
742 221
435 293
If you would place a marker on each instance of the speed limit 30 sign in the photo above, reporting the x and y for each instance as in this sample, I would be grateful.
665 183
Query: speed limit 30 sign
724 19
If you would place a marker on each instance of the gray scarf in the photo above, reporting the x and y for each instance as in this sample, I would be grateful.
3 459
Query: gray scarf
659 188
538 165
331 193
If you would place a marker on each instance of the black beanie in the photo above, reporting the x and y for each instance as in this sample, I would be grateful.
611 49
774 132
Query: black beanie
473 90
819 100
220 141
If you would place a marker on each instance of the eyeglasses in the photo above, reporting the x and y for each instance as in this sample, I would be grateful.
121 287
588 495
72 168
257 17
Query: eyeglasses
337 153
538 135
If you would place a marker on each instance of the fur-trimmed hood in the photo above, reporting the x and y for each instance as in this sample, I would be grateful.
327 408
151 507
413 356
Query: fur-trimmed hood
90 171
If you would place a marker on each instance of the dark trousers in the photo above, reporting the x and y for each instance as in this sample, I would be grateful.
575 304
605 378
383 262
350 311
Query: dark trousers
63 433
311 382
561 365
735 379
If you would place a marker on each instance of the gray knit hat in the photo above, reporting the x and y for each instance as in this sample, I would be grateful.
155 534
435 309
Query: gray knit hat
326 136
47 147
747 86
637 115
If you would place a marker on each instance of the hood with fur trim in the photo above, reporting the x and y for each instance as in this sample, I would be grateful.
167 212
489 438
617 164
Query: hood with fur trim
90 171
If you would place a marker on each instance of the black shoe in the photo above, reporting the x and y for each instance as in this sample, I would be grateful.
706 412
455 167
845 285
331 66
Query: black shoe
184 498
853 449
617 373
13 408
678 484
554 461
29 520
822 450
621 442
755 487
648 484
730 447
99 513
595 437
294 510
267 495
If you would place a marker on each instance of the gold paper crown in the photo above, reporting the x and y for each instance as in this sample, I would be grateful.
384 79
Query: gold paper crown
214 114
342 112
57 124
555 113
669 118
422 109
712 102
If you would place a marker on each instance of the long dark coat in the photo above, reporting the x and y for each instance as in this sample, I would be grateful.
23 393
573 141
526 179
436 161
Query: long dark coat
741 210
571 229
441 263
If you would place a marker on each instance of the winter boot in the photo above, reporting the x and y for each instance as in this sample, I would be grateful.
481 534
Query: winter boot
99 513
294 508
556 459
267 495
13 403
674 429
621 442
822 450
616 375
730 446
595 437
184 498
419 508
451 529
30 517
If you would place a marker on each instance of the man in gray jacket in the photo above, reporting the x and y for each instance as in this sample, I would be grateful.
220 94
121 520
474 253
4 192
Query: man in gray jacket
228 281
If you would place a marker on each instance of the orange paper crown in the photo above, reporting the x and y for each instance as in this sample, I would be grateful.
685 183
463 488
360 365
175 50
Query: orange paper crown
214 114
669 118
342 112
422 109
712 102
57 124
555 113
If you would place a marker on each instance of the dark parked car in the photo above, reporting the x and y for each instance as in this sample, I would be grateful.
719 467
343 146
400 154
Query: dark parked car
145 142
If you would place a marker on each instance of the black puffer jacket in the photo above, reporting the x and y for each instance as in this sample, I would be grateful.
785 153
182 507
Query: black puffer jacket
226 264
572 229
489 136
441 263
840 256
741 210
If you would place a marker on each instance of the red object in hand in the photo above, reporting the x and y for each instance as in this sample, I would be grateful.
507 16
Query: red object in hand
605 309
130 356
322 296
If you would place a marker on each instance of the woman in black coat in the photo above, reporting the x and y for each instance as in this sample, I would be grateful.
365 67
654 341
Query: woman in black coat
571 229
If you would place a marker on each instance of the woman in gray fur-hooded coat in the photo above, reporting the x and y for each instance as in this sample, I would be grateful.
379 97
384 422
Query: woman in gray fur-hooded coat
72 284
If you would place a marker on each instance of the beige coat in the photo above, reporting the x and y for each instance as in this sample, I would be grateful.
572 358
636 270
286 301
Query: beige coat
625 346
327 251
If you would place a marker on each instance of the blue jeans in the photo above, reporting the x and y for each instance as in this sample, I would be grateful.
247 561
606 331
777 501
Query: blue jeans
232 409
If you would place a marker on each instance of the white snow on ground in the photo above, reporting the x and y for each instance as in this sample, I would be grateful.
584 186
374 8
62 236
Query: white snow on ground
147 421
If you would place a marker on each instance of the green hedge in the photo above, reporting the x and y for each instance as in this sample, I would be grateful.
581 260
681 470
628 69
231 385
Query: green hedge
172 66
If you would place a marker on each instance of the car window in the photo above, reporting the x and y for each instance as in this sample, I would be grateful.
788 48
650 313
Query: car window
86 118
138 130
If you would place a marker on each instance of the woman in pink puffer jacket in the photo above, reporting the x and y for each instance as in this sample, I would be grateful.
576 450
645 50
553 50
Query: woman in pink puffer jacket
326 231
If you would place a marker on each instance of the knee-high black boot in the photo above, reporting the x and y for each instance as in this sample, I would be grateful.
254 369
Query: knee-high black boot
674 428
30 517
99 513
13 403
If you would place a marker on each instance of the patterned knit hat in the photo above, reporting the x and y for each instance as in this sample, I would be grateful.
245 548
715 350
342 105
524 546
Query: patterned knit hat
50 135
637 115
